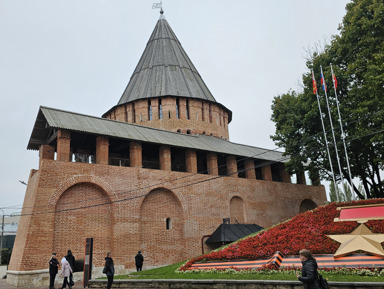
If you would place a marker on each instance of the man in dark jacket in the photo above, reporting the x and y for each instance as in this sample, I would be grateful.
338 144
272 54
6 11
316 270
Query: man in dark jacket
310 276
139 259
109 269
71 260
53 269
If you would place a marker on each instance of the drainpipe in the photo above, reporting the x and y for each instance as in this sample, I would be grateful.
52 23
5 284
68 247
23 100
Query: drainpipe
202 242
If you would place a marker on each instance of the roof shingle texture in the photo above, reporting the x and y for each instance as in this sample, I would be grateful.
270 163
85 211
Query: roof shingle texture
49 118
165 69
232 232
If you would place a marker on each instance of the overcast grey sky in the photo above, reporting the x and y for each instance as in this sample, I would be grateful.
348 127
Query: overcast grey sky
78 55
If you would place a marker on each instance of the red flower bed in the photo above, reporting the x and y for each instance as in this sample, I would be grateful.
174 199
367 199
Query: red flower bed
307 230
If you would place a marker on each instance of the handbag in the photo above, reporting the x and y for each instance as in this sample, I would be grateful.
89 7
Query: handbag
323 282
105 270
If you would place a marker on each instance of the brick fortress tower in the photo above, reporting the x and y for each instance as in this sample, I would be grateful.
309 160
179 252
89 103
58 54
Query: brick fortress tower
156 173
166 91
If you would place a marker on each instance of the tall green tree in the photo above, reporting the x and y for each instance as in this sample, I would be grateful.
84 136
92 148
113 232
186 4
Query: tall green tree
357 57
334 193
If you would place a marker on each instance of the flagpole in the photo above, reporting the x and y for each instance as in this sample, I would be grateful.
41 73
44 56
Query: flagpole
333 132
325 134
342 134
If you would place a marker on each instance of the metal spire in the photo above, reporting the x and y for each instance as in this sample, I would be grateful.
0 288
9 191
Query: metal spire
157 6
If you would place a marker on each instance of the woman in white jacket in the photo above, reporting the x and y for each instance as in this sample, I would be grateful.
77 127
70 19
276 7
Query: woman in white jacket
66 270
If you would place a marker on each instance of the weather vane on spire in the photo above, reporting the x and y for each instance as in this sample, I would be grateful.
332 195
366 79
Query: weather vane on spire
158 5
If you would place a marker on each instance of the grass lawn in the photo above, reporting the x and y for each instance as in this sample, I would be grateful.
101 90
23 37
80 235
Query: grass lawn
168 272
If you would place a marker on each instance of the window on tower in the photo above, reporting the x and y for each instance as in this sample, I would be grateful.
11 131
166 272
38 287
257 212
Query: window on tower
168 224
149 110
187 107
160 110
177 109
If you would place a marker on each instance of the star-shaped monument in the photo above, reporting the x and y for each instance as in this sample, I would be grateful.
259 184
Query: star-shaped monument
360 239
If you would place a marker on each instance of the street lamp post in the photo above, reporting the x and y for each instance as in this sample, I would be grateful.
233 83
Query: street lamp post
2 235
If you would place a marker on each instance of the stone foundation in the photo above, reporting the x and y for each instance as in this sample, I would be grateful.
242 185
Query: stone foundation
227 284
40 278
28 279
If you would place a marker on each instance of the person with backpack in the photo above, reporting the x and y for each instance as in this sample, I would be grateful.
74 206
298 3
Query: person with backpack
66 270
71 260
310 276
109 269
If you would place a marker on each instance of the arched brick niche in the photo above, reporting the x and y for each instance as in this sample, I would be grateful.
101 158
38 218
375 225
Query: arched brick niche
307 205
161 218
73 225
237 210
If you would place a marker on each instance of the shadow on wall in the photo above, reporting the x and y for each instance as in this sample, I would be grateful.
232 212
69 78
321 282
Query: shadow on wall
307 205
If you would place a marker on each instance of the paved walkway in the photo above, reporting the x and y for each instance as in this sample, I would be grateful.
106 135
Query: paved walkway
5 285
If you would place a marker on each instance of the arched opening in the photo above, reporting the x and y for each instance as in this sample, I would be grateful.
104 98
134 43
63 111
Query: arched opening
178 160
73 226
156 239
307 205
236 206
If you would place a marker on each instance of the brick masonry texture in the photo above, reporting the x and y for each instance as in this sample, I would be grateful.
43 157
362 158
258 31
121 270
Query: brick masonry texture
204 118
125 209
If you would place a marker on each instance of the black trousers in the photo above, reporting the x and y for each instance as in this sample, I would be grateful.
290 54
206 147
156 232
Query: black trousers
139 268
66 283
110 281
52 280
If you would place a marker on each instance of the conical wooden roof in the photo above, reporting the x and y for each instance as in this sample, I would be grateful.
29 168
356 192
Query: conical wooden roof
165 69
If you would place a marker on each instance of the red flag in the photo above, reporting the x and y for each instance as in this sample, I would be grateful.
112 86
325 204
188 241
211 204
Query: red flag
334 80
314 86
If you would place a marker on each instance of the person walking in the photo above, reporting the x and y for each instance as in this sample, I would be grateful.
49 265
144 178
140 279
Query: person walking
53 269
71 260
109 269
310 276
65 271
139 259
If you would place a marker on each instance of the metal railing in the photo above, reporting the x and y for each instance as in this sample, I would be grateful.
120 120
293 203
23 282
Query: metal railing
147 164
120 162
83 158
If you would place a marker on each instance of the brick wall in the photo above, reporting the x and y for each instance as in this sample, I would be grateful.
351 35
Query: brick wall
125 209
217 124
